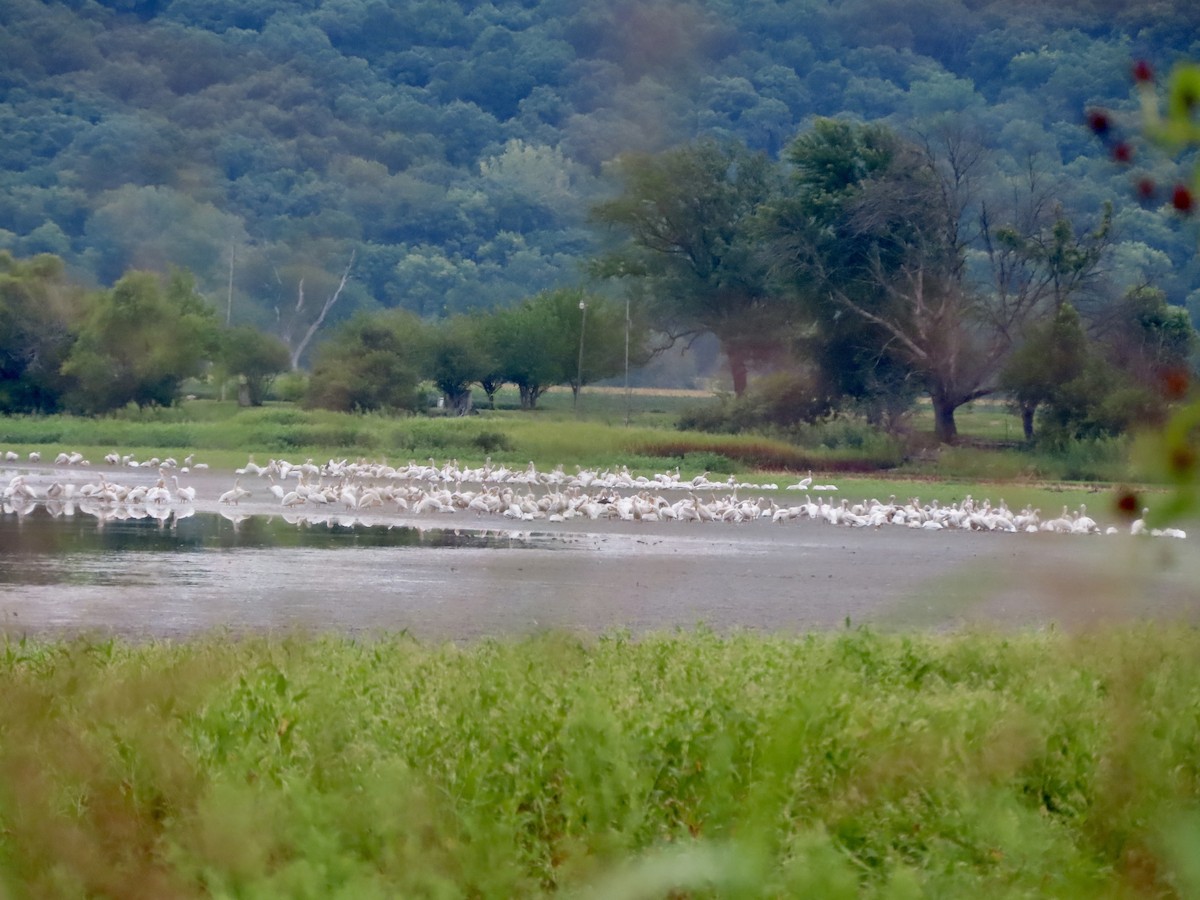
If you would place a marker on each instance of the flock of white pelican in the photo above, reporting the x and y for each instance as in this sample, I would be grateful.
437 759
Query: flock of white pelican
349 492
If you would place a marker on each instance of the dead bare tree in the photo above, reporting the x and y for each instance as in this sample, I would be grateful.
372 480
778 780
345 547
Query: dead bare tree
297 348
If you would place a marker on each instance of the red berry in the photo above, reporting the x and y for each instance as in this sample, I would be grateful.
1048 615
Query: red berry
1098 121
1146 188
1122 152
1142 71
1182 199
1128 502
1175 383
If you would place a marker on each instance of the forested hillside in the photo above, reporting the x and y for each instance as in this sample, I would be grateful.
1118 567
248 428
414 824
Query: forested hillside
455 147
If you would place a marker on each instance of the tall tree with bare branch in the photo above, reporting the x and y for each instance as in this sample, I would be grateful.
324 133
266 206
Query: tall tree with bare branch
876 234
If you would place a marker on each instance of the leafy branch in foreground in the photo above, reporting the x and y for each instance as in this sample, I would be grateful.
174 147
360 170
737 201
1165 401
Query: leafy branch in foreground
1173 127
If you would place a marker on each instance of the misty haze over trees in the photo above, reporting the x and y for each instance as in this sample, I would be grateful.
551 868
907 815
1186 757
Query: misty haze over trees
465 157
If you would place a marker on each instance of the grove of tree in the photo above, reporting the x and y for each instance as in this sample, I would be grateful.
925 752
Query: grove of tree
879 199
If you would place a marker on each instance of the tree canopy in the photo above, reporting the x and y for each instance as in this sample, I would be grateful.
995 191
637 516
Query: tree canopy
443 158
458 147
138 342
687 216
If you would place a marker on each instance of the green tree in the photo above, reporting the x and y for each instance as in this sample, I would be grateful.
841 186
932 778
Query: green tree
1054 354
1100 401
1037 268
1148 338
459 356
876 235
138 341
564 336
372 362
687 216
38 309
528 349
871 236
854 356
254 359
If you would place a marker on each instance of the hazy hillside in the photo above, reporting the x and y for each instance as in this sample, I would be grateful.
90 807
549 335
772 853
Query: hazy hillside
456 147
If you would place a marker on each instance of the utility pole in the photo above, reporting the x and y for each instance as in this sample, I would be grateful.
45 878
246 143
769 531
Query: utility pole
579 372
229 301
628 396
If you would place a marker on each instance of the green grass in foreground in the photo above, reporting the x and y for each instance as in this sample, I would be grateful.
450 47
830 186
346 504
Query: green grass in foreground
686 765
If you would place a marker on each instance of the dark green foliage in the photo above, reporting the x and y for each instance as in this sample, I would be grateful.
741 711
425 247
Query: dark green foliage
556 337
1095 388
254 359
708 461
457 148
38 311
425 133
1053 355
686 217
1149 339
138 342
872 236
774 402
460 355
491 441
371 363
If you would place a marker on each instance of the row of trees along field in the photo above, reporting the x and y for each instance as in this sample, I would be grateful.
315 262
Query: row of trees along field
66 348
865 270
451 158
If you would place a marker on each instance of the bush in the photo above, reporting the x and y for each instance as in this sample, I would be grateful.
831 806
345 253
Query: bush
779 401
713 418
708 461
289 387
491 441
785 399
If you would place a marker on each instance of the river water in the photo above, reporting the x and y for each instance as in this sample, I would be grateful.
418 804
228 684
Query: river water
190 573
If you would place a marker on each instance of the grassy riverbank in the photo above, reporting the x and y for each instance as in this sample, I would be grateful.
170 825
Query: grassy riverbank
846 765
863 462
224 436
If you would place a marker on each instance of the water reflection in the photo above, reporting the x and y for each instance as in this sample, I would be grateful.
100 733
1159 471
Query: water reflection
37 547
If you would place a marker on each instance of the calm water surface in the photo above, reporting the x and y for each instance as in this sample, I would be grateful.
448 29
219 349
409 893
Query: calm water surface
204 572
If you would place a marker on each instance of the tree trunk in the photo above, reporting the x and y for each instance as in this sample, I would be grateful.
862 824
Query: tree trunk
737 371
943 418
1027 411
459 402
298 350
529 395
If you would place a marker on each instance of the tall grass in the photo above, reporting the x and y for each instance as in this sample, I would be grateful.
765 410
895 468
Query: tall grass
845 765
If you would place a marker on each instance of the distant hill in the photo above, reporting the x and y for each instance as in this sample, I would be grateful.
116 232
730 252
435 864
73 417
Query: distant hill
456 147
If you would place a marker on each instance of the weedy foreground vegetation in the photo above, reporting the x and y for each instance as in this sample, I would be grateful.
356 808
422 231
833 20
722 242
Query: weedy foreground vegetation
840 765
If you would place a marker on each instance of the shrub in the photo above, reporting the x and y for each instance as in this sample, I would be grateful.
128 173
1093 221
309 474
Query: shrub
290 387
709 417
708 461
491 441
